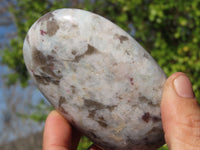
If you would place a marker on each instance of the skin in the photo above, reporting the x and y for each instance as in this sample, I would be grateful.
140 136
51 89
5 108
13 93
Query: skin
180 117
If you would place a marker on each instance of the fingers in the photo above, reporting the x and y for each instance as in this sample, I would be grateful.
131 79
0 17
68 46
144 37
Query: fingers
58 134
180 114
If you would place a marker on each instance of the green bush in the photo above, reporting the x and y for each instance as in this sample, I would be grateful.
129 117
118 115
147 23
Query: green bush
168 29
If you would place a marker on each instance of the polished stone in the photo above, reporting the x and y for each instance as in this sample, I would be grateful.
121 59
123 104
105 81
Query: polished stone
101 80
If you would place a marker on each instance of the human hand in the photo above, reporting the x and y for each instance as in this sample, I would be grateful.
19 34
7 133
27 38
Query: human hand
180 116
59 135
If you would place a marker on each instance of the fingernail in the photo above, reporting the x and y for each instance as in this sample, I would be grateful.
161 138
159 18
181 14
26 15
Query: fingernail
183 87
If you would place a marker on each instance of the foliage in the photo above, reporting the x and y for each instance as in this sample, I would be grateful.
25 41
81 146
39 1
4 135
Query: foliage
40 112
164 147
168 29
84 143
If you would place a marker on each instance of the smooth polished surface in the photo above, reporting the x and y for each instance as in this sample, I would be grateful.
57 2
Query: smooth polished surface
100 79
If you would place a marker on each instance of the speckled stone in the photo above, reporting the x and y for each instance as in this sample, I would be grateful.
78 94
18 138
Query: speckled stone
101 80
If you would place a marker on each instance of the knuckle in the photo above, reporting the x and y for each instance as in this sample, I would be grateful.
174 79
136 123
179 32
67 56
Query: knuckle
193 121
189 130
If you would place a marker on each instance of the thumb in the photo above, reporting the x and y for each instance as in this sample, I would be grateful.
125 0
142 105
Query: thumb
180 114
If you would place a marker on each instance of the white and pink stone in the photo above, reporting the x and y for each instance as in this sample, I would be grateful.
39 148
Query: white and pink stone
99 78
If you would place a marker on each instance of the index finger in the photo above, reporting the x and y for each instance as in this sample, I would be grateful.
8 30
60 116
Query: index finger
58 134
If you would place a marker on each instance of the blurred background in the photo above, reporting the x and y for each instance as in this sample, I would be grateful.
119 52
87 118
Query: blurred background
169 30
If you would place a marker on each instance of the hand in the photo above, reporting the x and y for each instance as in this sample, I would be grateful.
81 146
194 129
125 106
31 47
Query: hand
180 116
59 135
